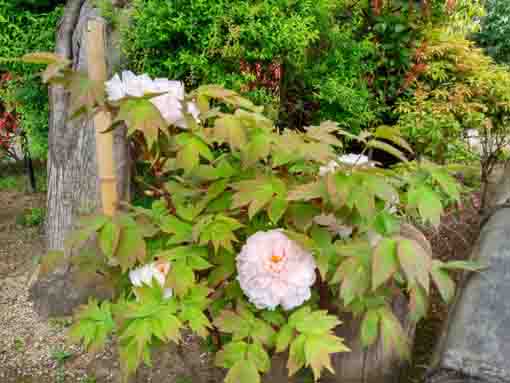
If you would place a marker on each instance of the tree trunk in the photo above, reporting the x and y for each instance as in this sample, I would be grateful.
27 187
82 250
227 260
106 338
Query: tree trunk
73 187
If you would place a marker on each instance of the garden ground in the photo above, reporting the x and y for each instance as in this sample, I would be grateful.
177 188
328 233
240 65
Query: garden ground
34 350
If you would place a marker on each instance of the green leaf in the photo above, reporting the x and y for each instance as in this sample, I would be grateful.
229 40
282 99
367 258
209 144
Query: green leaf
141 115
88 225
443 282
463 265
258 148
324 133
44 58
428 203
228 96
316 323
190 148
231 323
418 305
181 278
318 349
387 148
284 337
217 229
306 192
131 247
93 324
297 357
232 353
415 261
85 93
384 262
370 328
393 335
172 225
258 356
228 129
243 372
392 134
197 320
258 193
109 237
277 209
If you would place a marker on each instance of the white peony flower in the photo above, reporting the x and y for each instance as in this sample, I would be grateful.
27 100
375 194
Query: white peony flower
346 159
169 104
144 275
274 270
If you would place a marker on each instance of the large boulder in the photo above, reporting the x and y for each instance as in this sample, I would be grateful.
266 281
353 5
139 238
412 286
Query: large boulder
475 346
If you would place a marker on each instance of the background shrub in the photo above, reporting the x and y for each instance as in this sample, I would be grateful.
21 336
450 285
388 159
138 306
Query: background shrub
494 35
27 30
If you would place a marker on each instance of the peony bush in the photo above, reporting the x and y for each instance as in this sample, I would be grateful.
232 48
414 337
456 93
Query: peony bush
267 236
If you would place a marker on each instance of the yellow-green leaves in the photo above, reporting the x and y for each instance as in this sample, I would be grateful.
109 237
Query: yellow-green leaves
217 229
94 323
263 192
190 148
384 262
312 340
141 115
415 261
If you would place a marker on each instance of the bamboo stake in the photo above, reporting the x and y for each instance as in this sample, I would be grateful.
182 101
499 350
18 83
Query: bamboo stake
102 119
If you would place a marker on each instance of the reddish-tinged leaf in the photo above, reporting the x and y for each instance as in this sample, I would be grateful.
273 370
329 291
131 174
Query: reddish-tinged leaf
415 262
384 262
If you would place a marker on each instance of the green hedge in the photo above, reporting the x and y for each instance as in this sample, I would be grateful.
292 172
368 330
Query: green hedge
24 30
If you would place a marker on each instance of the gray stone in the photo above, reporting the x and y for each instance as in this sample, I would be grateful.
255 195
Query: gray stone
477 339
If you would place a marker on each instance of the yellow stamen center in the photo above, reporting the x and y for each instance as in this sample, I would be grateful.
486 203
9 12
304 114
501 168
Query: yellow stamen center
275 258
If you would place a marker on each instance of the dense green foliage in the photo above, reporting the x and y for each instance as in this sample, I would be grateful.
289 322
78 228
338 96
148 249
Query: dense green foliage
210 203
462 92
240 44
495 30
24 31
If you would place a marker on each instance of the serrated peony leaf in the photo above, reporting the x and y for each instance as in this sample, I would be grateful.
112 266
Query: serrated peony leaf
231 323
390 149
131 247
386 223
443 282
418 305
219 230
262 332
44 58
392 134
232 353
449 185
339 186
370 328
85 93
109 237
273 317
190 148
256 354
318 350
88 226
172 225
243 372
316 323
384 262
197 321
141 115
463 265
284 337
228 129
393 335
415 262
277 209
428 203
224 268
258 148
301 215
306 192
324 133
380 188
181 278
297 357
93 324
228 96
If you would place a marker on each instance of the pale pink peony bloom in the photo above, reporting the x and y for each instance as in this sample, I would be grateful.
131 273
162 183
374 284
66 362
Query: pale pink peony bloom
170 104
145 275
274 270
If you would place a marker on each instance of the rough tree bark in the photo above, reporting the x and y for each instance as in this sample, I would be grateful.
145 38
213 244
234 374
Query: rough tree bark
72 169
